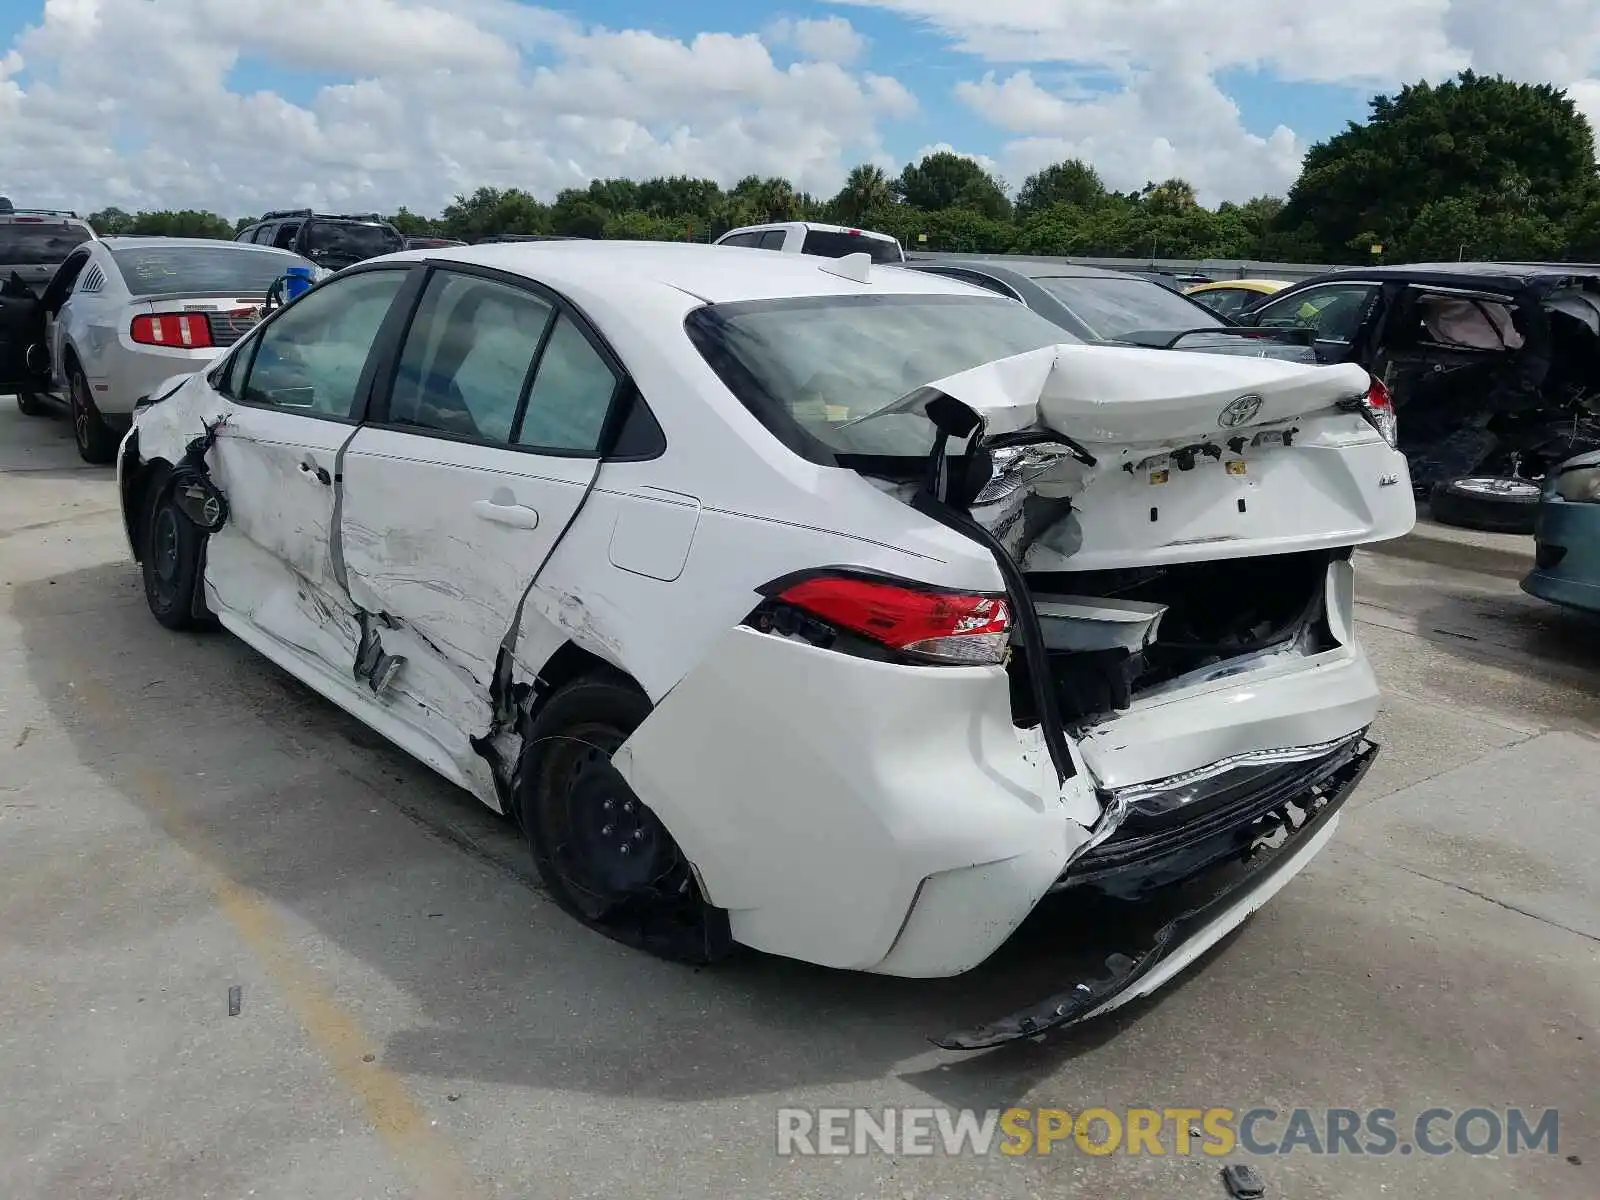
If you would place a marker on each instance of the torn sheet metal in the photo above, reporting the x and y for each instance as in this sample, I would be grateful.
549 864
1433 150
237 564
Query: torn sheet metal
1190 935
1100 395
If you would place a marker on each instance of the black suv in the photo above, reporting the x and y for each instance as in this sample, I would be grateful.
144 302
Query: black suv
327 239
35 241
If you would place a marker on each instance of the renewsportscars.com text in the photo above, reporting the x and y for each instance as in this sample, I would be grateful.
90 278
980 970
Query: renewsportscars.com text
1163 1131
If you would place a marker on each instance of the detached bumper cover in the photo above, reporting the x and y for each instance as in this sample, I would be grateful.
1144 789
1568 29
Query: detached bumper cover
1305 822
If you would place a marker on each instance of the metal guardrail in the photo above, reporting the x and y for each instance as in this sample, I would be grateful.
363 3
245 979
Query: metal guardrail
1212 268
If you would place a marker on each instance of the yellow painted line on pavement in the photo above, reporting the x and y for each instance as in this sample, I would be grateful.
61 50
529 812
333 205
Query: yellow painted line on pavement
434 1164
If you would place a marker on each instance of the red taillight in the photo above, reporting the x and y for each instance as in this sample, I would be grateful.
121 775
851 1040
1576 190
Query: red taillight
181 331
950 627
1380 411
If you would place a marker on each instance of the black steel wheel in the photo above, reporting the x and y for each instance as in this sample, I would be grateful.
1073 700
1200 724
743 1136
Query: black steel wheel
604 855
172 554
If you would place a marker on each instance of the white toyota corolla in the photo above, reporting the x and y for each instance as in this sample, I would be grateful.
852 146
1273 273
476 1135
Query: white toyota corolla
812 605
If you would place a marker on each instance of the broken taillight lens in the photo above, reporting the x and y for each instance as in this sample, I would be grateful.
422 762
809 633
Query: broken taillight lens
181 331
927 623
1378 407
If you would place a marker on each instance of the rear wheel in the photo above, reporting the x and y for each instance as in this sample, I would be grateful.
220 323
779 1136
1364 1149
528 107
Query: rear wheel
604 855
96 443
1494 504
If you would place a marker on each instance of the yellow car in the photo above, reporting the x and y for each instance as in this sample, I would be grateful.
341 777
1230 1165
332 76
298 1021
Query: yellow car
1230 297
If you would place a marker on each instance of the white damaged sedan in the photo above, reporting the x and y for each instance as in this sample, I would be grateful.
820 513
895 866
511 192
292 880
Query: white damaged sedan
811 605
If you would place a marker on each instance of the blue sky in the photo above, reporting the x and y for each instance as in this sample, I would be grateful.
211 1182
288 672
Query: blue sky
409 101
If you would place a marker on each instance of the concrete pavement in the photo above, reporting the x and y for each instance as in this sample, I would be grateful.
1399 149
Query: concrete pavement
178 818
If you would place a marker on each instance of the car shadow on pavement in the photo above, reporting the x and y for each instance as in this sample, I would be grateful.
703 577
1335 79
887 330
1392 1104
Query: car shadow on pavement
414 881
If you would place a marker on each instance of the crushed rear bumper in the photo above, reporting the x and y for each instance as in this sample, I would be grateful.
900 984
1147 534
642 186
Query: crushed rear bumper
1290 836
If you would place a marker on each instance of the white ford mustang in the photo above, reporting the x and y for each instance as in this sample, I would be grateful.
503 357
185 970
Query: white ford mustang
812 605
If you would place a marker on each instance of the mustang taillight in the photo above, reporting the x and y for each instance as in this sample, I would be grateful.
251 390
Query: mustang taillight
1378 408
182 331
907 619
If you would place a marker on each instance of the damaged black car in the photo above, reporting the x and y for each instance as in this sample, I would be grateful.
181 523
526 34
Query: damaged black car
1494 369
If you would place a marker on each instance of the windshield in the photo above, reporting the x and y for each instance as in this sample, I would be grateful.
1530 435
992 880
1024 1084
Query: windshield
1112 308
812 364
231 267
349 240
830 244
27 244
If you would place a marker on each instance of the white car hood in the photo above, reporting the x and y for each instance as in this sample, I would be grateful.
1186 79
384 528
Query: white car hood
1100 395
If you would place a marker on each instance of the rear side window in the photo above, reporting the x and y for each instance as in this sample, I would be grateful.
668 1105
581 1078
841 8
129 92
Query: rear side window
467 357
836 245
26 244
571 394
773 239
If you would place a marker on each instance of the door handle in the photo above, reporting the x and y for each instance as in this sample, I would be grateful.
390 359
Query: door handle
313 471
519 516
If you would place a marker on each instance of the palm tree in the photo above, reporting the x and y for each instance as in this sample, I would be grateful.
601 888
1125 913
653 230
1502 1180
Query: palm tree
865 188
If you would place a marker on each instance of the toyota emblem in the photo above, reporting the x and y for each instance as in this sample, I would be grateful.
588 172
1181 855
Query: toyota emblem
1240 412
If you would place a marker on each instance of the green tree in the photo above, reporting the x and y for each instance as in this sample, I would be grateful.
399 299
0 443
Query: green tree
1517 151
1072 182
490 211
944 181
186 222
640 226
866 188
413 224
109 222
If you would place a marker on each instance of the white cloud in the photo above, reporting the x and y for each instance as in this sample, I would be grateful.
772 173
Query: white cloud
1165 114
831 39
1183 126
441 98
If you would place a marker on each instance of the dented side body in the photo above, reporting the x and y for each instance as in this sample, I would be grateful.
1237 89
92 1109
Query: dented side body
844 811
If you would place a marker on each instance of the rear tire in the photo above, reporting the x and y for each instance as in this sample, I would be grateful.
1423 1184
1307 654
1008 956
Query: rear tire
97 444
1492 504
605 857
31 405
172 554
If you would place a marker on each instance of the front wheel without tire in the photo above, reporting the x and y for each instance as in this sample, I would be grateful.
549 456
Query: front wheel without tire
172 553
96 443
605 857
1493 504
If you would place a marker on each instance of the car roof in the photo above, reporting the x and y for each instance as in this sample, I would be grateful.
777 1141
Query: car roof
1031 268
121 242
1507 276
714 274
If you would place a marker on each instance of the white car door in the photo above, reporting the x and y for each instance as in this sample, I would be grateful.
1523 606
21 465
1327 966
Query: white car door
290 399
463 480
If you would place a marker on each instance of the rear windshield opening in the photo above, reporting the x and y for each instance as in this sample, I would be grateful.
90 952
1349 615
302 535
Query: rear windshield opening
29 245
226 267
809 368
829 244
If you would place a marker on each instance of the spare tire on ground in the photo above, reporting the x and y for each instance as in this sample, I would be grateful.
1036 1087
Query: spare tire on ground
1494 504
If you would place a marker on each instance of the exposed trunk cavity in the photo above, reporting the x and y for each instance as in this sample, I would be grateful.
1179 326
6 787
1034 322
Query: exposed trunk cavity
1113 637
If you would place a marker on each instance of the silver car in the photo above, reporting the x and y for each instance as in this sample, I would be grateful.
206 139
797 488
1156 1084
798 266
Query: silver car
121 316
